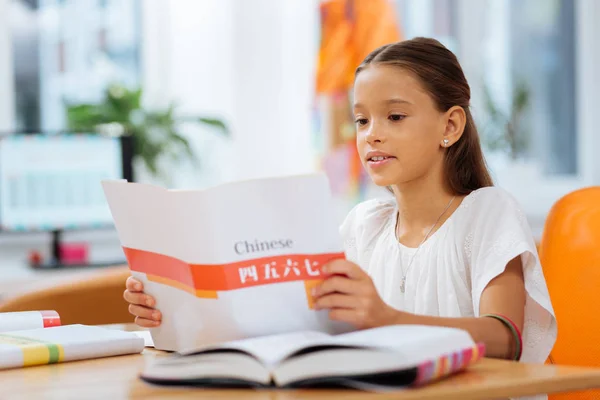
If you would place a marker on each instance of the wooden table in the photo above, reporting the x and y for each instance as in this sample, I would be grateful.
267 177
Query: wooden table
117 378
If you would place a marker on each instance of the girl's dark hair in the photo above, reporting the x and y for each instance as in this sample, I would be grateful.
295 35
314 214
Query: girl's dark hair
442 76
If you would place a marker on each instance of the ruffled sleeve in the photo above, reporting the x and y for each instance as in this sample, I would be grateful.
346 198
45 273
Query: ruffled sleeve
361 228
498 233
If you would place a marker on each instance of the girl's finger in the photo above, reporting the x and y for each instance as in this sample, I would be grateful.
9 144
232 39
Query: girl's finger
146 323
134 285
339 284
139 298
343 267
144 312
345 315
336 301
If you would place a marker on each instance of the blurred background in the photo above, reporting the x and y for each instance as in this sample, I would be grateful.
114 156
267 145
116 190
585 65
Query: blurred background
194 93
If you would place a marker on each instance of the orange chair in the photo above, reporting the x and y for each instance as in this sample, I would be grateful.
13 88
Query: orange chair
570 256
92 300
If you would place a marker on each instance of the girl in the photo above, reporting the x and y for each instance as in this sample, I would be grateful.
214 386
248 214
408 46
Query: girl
448 249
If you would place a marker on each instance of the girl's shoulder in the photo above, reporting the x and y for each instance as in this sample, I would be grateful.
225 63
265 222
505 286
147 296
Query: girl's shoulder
363 226
490 195
491 201
494 199
491 216
373 210
368 217
485 207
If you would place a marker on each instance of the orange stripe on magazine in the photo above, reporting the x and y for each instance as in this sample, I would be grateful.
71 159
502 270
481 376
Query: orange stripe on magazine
238 275
159 265
204 294
309 286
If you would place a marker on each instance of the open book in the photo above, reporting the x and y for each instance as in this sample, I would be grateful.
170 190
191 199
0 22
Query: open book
373 359
36 337
234 261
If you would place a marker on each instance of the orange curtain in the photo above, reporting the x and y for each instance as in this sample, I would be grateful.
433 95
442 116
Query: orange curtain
350 30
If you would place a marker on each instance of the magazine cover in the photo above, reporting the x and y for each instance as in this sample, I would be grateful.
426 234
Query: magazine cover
230 262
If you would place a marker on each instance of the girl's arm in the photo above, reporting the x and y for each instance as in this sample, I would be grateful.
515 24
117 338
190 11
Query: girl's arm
505 295
351 296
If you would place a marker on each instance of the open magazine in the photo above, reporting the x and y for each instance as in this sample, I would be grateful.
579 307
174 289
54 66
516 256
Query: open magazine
229 262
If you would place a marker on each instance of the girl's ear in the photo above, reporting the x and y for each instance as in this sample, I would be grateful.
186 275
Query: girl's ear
456 120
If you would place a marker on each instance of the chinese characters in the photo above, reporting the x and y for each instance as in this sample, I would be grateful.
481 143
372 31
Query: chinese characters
288 268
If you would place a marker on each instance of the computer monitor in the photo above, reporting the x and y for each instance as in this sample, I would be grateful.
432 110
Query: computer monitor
51 182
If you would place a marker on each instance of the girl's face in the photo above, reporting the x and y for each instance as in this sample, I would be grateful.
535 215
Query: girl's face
400 131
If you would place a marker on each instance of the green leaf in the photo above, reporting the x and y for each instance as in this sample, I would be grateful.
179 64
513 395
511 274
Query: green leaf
520 99
84 117
213 122
186 147
217 123
492 109
155 132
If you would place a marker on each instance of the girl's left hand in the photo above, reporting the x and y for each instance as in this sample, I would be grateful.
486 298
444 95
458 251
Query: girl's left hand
350 295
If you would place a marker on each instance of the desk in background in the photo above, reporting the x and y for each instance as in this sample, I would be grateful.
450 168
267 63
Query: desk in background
16 276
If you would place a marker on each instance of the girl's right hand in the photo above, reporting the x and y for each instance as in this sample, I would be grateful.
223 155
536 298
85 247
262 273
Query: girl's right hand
141 305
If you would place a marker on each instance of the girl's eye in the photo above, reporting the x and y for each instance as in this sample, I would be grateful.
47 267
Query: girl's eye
396 117
361 121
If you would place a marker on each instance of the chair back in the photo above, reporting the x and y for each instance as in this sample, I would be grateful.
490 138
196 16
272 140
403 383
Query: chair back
570 257
95 299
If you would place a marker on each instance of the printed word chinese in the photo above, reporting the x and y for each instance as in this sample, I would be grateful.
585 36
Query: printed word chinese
246 247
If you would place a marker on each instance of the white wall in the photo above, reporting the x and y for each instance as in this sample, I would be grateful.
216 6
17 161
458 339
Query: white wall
187 58
6 72
249 62
274 56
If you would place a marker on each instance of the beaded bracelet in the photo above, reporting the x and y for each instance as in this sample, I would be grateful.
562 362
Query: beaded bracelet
514 330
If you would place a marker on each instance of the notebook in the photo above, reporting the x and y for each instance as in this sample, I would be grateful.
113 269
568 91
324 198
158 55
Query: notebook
59 343
382 358
241 257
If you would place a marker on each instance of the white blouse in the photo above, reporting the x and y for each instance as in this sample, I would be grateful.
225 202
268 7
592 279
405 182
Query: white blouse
456 263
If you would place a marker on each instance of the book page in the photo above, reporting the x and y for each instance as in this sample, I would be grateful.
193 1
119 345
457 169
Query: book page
231 262
386 349
413 343
272 349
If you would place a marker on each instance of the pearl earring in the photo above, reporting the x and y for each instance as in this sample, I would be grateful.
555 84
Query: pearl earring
446 141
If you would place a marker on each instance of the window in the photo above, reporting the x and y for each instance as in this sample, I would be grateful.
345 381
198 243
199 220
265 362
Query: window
515 50
529 73
68 52
430 18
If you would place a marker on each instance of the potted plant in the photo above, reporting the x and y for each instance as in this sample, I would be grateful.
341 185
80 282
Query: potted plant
154 132
507 133
508 140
